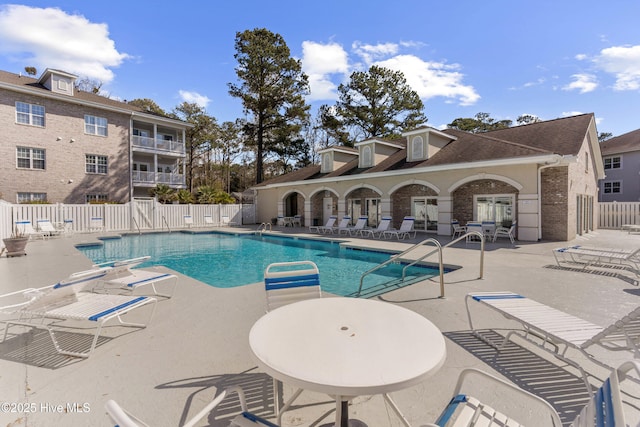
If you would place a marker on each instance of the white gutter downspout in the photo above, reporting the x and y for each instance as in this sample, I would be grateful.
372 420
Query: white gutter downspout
545 166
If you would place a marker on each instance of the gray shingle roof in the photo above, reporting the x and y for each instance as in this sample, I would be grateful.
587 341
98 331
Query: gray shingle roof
621 144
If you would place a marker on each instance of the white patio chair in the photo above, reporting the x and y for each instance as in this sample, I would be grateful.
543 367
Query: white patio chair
124 418
286 283
208 220
406 228
360 224
46 307
604 409
555 328
123 275
457 229
297 221
506 232
188 221
96 224
383 226
327 228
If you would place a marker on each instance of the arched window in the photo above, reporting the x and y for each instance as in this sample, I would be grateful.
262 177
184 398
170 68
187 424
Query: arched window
417 148
366 156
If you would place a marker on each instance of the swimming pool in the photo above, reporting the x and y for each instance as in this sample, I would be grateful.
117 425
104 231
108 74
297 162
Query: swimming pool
227 260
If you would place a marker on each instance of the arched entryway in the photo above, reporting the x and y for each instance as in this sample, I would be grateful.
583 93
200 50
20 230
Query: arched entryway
419 201
485 200
364 201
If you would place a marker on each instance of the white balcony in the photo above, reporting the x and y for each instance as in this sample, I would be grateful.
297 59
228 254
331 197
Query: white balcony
151 179
148 144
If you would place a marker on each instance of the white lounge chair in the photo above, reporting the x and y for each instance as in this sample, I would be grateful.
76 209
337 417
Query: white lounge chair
124 418
96 224
556 328
406 228
588 256
208 220
188 221
509 232
45 226
287 282
327 228
604 409
383 226
123 275
45 307
360 224
26 229
343 225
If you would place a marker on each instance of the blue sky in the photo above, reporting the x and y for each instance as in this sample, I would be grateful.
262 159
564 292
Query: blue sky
547 58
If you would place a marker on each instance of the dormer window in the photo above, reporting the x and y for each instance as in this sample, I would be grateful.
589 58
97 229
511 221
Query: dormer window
367 158
417 148
326 162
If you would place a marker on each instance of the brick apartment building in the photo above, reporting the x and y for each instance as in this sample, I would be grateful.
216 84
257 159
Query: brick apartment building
63 145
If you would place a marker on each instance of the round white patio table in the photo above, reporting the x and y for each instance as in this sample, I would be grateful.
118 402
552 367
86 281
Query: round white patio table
347 347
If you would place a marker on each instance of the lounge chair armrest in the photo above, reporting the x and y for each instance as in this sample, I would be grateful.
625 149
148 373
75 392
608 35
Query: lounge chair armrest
216 401
28 294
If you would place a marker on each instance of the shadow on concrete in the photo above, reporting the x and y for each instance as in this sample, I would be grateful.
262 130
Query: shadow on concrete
565 391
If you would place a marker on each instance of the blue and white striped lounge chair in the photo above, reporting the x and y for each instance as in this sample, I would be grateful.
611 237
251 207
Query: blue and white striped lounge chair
327 228
361 223
46 307
604 409
383 226
25 228
45 226
124 418
123 274
555 328
406 228
589 256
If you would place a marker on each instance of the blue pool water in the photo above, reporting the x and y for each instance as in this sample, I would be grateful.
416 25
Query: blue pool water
227 260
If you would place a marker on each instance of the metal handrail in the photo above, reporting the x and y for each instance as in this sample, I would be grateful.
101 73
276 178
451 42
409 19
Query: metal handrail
263 227
438 249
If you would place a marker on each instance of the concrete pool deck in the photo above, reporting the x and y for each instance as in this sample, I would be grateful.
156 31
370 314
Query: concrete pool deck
197 343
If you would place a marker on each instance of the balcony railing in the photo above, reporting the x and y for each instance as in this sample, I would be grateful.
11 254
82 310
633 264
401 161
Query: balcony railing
157 144
152 178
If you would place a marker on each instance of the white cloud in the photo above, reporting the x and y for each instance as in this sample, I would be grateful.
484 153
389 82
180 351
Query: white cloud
371 53
581 57
433 79
624 63
582 82
194 98
51 38
571 113
319 62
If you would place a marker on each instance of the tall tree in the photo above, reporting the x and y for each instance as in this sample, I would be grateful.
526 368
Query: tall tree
379 102
333 129
148 106
272 89
199 136
603 136
482 122
526 119
229 145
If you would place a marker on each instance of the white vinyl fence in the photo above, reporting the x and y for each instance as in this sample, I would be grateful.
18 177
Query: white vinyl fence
617 214
137 215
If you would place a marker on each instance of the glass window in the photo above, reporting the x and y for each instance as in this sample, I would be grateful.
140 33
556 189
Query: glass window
367 159
417 148
613 162
31 197
29 114
496 208
95 125
30 158
612 187
96 164
95 198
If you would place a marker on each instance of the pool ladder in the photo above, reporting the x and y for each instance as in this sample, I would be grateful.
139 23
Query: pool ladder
263 227
394 259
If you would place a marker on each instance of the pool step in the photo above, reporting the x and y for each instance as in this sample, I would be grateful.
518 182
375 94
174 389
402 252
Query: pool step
383 288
